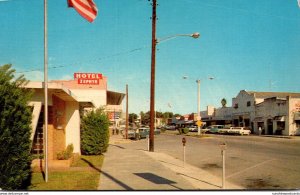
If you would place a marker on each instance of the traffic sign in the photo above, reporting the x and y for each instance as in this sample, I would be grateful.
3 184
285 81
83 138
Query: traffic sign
199 123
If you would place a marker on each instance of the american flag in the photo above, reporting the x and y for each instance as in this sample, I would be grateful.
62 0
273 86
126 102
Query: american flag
86 8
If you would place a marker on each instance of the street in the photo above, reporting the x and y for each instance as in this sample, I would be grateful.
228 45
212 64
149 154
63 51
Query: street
251 161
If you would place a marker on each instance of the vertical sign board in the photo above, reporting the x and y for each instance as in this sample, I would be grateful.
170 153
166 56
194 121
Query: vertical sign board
88 78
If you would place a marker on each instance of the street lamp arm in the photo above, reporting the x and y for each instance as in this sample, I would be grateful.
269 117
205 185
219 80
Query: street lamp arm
198 79
194 35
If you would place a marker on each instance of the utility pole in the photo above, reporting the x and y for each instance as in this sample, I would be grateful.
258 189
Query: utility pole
152 88
126 129
199 112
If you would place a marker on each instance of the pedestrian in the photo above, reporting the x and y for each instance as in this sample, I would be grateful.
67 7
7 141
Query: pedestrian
259 130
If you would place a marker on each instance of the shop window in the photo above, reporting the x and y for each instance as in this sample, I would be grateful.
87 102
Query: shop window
248 104
297 124
236 106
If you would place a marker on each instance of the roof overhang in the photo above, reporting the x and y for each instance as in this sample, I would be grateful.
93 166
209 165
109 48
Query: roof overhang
62 92
114 98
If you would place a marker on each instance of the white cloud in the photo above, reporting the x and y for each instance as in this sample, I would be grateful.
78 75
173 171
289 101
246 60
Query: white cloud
66 77
34 76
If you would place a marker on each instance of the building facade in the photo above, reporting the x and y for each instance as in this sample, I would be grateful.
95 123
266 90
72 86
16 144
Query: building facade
265 113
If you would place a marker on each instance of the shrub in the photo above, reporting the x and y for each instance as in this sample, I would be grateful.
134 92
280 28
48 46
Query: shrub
66 154
94 132
15 131
183 130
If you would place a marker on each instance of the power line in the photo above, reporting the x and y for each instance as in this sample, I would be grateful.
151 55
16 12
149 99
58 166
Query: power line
94 60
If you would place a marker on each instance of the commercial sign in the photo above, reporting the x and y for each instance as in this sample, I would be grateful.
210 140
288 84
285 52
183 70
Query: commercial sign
88 78
297 106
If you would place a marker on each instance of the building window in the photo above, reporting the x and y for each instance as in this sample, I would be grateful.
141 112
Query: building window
248 104
298 124
236 105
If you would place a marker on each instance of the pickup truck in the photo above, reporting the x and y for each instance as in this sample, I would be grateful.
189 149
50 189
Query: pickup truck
236 130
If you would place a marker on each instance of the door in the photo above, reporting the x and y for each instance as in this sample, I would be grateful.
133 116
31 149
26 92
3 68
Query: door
270 127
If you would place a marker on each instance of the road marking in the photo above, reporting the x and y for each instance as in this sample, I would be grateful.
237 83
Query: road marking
249 168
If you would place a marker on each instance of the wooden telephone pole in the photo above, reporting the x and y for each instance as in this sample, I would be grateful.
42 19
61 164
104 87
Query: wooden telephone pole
152 88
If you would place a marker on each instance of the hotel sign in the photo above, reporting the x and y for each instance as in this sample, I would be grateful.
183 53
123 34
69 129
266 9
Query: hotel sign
88 78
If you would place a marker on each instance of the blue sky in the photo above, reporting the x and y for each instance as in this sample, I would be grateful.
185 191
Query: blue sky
252 45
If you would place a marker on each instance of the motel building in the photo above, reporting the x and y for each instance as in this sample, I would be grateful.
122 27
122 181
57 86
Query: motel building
66 101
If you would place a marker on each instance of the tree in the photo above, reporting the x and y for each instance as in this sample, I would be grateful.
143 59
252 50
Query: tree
15 131
159 114
94 132
223 102
167 115
132 117
177 115
145 118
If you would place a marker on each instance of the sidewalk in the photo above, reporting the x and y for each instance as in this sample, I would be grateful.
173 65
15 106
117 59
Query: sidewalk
131 169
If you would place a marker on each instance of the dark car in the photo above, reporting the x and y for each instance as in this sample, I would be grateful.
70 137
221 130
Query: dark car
142 132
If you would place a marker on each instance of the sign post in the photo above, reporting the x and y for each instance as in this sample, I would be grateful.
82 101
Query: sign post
223 149
183 143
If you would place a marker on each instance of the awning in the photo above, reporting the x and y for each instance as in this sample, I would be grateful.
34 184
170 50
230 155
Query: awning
297 116
258 119
182 122
114 98
279 118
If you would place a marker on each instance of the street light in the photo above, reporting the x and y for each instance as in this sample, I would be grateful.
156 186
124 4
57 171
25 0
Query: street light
198 103
154 42
195 35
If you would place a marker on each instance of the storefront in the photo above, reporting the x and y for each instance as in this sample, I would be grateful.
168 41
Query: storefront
278 116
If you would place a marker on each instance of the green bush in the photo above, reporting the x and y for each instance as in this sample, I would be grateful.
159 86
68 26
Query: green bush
66 154
183 130
163 130
94 132
15 131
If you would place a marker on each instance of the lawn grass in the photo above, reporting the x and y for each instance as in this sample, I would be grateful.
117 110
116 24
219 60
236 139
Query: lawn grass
66 180
84 174
87 161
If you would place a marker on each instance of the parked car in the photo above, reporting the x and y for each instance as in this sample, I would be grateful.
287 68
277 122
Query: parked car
170 127
156 131
193 128
237 130
213 129
131 134
142 132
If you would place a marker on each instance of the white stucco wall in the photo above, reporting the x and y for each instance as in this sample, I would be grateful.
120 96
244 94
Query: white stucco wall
241 99
39 96
73 125
224 113
293 106
98 97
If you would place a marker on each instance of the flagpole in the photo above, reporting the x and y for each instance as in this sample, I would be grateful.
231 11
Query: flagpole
46 87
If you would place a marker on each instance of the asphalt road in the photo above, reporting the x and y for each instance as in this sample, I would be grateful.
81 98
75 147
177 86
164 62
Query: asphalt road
251 161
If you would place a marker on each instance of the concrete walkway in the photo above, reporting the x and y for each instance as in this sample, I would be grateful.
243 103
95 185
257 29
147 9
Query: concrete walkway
131 169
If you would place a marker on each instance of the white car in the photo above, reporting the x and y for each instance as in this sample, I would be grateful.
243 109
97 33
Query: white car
238 130
193 128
